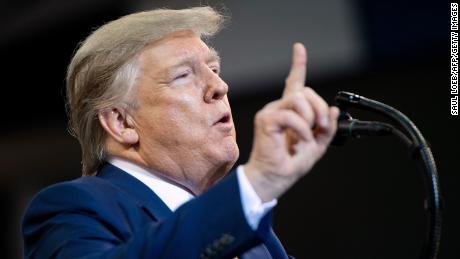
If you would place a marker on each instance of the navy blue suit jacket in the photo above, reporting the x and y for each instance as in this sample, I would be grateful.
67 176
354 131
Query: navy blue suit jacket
114 215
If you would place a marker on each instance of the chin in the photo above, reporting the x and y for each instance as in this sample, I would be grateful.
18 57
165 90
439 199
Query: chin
224 161
232 153
227 159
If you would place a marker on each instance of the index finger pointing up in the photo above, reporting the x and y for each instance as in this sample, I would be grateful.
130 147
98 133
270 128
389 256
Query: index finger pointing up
298 72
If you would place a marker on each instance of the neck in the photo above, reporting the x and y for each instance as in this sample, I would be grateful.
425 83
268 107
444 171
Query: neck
187 172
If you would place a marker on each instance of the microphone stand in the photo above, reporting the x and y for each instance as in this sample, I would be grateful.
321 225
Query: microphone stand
421 152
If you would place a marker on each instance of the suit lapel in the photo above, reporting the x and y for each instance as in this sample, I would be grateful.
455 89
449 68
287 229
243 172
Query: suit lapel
274 246
270 248
258 252
157 209
146 198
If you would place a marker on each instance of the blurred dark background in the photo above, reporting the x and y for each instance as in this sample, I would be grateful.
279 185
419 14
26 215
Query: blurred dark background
362 200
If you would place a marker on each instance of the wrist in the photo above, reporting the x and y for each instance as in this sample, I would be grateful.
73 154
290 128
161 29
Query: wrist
267 185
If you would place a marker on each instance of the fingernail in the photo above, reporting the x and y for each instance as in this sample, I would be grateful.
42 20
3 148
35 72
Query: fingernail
323 121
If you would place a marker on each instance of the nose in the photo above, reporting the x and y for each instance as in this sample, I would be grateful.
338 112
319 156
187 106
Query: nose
216 88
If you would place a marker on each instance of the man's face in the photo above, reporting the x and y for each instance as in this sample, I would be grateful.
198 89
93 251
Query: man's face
183 118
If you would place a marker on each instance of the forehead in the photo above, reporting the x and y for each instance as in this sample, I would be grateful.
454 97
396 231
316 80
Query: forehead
176 47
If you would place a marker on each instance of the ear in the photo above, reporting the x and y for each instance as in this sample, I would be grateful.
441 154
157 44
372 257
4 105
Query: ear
117 125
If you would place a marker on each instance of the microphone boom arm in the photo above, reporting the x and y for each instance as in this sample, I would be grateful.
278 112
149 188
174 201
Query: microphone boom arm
421 151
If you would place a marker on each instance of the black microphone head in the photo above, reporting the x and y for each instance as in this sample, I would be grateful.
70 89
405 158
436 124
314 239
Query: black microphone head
347 127
345 99
341 135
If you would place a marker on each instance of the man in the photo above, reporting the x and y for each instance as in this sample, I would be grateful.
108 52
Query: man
151 113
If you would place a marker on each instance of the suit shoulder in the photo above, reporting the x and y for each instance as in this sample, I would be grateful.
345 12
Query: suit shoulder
82 192
85 184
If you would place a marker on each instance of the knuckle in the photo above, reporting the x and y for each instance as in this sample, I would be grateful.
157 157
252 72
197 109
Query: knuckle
300 99
298 96
262 116
270 105
309 91
295 98
310 117
259 117
288 114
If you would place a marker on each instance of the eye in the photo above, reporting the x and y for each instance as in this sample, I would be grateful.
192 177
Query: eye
182 75
216 70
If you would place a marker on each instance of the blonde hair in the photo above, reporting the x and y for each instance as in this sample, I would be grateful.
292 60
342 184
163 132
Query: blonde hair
103 70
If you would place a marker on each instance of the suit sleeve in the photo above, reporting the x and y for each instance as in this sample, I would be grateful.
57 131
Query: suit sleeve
68 221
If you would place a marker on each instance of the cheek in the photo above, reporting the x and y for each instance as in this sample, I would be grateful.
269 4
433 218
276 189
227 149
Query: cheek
185 112
175 120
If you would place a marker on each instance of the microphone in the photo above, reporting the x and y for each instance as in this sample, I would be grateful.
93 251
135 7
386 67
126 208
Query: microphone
411 136
348 127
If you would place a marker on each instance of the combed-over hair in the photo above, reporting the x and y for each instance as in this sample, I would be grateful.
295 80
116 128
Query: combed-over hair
104 68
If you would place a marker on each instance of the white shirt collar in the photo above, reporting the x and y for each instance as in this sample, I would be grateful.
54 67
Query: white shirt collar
173 196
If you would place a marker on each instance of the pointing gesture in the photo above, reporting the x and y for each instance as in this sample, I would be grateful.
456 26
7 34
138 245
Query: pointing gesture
290 134
295 84
296 78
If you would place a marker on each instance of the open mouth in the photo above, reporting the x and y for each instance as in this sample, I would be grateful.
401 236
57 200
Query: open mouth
224 119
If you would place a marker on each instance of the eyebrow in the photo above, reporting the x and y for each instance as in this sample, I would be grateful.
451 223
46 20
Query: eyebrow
212 56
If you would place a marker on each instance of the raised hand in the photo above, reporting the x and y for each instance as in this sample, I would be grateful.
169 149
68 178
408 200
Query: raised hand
290 134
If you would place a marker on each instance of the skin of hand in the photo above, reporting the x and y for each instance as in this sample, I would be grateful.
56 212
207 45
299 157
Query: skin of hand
290 134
